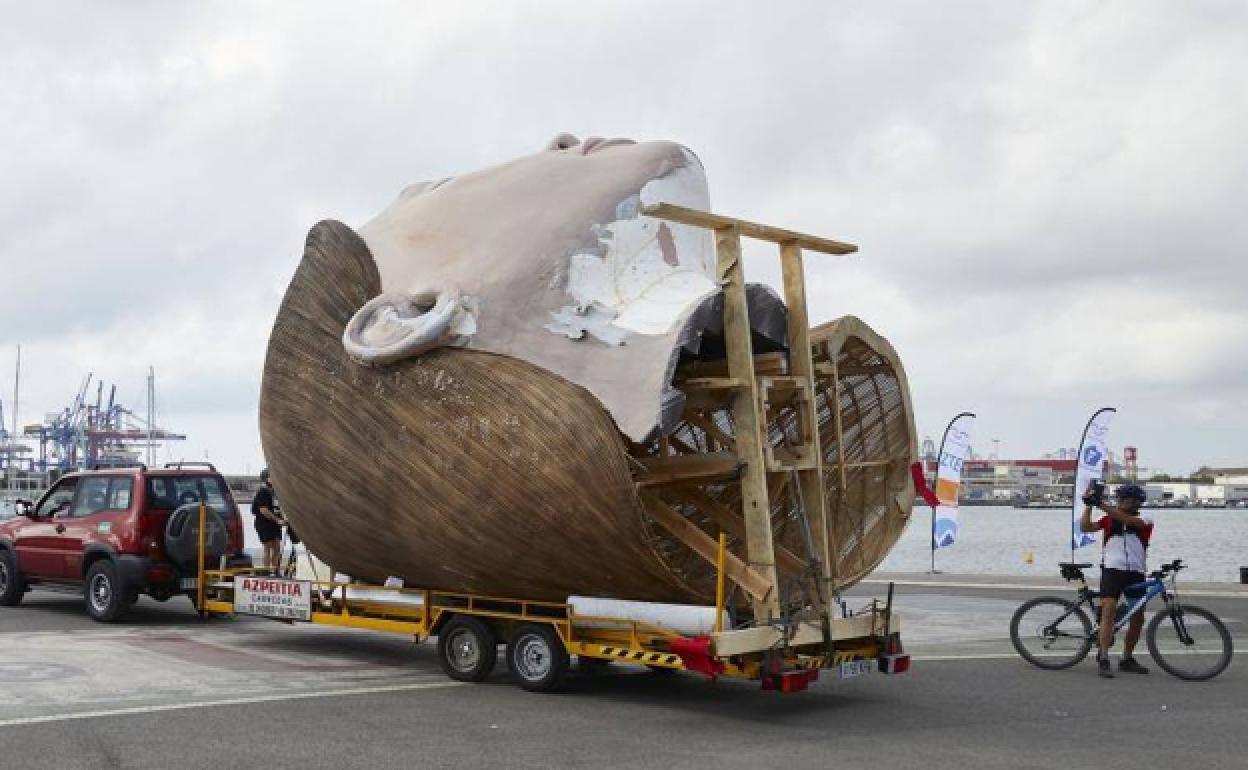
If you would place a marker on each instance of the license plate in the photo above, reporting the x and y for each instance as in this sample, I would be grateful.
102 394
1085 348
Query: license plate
856 668
188 584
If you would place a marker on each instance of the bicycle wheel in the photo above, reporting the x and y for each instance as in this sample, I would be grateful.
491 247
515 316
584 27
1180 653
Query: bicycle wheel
1051 633
1193 644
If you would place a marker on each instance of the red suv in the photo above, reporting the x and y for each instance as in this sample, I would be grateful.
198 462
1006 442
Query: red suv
113 534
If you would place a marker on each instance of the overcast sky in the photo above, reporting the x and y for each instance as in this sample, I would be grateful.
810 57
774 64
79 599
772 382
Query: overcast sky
1049 198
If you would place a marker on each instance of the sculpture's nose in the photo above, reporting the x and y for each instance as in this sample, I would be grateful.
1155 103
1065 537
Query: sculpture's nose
563 141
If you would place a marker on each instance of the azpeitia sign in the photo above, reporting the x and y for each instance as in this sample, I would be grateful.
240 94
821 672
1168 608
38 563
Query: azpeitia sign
273 598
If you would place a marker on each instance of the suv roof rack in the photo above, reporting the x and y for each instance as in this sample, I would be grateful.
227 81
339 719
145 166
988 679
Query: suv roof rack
180 464
112 466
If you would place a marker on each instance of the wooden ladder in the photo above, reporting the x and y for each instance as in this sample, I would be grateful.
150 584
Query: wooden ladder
752 394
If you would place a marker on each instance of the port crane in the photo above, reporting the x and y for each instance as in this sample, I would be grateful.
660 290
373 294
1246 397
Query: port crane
89 433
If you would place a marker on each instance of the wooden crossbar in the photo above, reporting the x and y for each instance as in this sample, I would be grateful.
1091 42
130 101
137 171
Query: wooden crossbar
687 216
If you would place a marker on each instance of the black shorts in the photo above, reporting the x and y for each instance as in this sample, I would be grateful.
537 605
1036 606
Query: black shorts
1115 581
267 530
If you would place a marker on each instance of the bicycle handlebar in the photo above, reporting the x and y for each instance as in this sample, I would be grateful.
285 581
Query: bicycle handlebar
1166 569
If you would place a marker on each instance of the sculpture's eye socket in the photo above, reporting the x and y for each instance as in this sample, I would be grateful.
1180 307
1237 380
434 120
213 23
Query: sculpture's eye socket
563 141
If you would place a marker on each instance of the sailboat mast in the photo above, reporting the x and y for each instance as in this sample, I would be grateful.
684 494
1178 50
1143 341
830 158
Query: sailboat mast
17 393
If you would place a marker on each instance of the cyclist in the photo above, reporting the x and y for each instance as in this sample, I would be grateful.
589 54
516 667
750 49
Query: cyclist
1124 551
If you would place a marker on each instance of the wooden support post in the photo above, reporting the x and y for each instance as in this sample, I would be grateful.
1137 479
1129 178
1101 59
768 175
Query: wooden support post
719 583
755 504
801 365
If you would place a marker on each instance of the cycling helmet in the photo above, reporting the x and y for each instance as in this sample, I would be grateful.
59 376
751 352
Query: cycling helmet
264 475
1132 492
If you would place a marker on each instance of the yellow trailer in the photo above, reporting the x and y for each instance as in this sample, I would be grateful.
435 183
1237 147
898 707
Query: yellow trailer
542 637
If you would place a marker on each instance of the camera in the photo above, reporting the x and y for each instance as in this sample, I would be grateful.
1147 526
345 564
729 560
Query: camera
1095 493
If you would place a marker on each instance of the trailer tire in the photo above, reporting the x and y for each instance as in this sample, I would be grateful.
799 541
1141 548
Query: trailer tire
537 658
467 649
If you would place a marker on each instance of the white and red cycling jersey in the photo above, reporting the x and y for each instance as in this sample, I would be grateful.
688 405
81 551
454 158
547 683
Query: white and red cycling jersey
1129 550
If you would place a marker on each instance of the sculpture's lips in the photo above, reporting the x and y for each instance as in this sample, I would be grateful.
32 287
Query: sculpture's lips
598 143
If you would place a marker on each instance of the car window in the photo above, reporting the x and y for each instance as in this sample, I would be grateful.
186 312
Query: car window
120 490
174 491
92 496
59 498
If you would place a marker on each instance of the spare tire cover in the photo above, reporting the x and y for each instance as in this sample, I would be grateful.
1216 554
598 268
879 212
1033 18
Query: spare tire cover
182 536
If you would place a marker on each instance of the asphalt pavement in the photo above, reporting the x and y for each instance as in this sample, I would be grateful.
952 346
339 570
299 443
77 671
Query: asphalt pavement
167 690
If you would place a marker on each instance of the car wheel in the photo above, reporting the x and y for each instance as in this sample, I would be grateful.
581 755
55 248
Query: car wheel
11 588
107 599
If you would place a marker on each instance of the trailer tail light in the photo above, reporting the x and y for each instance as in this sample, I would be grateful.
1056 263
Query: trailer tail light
790 681
894 664
158 574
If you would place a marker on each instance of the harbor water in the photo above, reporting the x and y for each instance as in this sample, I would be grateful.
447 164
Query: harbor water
996 541
1212 542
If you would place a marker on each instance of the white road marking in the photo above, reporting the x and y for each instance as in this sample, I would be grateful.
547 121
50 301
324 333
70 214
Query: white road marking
1025 587
1005 655
121 712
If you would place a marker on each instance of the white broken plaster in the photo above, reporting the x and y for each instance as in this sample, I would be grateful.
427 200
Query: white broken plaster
649 272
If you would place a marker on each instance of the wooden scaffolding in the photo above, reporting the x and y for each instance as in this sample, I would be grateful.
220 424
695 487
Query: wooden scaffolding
755 388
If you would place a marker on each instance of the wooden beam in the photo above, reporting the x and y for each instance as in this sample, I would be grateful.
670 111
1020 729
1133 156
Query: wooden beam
749 430
710 392
687 216
758 586
770 364
825 370
731 522
870 464
684 468
802 366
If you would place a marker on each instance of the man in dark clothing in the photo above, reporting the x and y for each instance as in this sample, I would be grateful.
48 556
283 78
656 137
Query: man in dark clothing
268 522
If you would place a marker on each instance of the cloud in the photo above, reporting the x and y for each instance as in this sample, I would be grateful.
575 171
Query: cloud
1046 195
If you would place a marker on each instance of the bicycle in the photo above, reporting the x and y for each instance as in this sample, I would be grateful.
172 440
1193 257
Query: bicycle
1055 633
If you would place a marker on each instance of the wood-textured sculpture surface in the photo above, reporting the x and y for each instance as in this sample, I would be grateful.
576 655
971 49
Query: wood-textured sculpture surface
457 470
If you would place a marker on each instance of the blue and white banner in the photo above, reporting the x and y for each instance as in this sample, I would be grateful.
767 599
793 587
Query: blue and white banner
1093 451
954 448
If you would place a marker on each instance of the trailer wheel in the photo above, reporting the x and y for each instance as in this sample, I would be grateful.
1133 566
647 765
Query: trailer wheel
537 658
467 649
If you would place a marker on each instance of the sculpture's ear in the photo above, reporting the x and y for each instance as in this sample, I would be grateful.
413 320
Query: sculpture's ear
395 325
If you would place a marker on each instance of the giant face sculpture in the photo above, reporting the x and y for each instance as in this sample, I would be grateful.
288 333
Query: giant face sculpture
549 246
458 394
